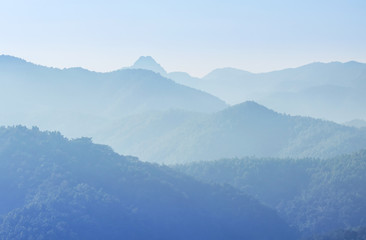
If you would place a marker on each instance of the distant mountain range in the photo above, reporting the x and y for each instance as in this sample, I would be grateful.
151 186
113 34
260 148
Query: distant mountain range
246 129
56 188
332 91
74 100
142 113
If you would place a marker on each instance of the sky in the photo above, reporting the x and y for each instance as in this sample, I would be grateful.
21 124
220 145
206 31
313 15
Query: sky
190 36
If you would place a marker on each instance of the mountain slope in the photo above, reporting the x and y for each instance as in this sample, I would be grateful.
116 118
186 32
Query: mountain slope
54 188
70 98
317 196
246 129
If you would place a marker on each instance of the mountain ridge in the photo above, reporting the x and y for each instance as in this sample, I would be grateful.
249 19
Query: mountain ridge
291 90
351 62
51 97
74 189
247 129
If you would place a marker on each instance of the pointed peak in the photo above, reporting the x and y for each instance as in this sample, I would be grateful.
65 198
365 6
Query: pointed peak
147 59
148 63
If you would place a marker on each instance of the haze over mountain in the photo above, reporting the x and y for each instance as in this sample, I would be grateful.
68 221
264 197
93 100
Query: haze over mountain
332 91
183 120
76 100
246 129
54 188
358 123
124 109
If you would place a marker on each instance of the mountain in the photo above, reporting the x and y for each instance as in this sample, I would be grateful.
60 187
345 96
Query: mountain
55 188
246 129
332 91
349 75
77 101
148 63
317 196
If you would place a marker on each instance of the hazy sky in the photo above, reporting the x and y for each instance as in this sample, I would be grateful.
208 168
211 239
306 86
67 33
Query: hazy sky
192 36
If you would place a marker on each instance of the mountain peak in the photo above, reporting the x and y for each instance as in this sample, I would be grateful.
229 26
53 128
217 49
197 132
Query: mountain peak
248 108
148 63
146 59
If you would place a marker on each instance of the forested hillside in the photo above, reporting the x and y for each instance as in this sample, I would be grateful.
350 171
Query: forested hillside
349 234
317 196
246 129
55 188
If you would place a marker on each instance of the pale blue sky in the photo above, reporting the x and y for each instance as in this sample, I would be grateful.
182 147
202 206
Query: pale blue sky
192 36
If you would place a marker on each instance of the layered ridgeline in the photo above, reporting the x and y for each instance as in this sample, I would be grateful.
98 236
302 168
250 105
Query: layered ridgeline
333 91
54 188
316 196
76 100
246 129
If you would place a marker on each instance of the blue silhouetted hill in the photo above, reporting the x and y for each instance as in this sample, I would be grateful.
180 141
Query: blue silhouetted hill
55 188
